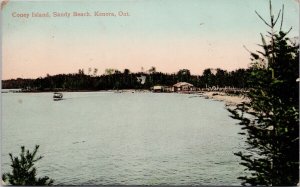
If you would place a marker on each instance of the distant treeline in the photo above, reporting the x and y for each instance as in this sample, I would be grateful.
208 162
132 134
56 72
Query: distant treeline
114 79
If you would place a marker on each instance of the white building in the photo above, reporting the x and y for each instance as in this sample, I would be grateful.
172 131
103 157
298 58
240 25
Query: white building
183 86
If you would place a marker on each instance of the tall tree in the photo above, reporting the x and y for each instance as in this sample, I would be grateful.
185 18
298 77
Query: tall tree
208 77
95 72
109 71
221 76
272 129
126 71
184 75
152 70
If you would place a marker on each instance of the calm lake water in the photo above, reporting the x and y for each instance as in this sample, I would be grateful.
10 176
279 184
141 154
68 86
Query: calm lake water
93 138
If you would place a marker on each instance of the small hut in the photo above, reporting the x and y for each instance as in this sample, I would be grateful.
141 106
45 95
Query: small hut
183 86
157 88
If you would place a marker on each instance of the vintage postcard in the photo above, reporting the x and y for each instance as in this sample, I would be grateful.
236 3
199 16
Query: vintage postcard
150 92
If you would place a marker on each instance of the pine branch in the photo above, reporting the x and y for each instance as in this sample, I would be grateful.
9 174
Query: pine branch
282 17
263 19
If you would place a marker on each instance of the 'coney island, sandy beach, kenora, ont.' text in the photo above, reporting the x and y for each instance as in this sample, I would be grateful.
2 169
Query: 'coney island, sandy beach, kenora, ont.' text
69 14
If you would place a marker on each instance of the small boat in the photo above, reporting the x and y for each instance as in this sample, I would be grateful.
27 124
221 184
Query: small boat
57 96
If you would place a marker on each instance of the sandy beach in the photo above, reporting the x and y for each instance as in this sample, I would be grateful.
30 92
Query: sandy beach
230 100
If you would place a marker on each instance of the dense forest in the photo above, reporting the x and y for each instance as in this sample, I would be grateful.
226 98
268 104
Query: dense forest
115 79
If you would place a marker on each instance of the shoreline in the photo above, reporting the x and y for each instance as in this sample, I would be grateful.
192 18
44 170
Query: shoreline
52 91
229 100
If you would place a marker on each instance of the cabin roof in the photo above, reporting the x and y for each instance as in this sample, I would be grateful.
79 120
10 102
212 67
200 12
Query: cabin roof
179 84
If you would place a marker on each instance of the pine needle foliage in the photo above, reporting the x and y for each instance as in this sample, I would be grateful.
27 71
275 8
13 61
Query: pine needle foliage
270 120
23 170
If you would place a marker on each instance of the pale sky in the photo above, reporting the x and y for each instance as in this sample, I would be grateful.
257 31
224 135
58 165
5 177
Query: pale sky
167 34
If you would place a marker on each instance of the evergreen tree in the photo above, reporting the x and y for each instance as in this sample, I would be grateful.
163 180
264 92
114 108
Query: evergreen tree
272 126
23 170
